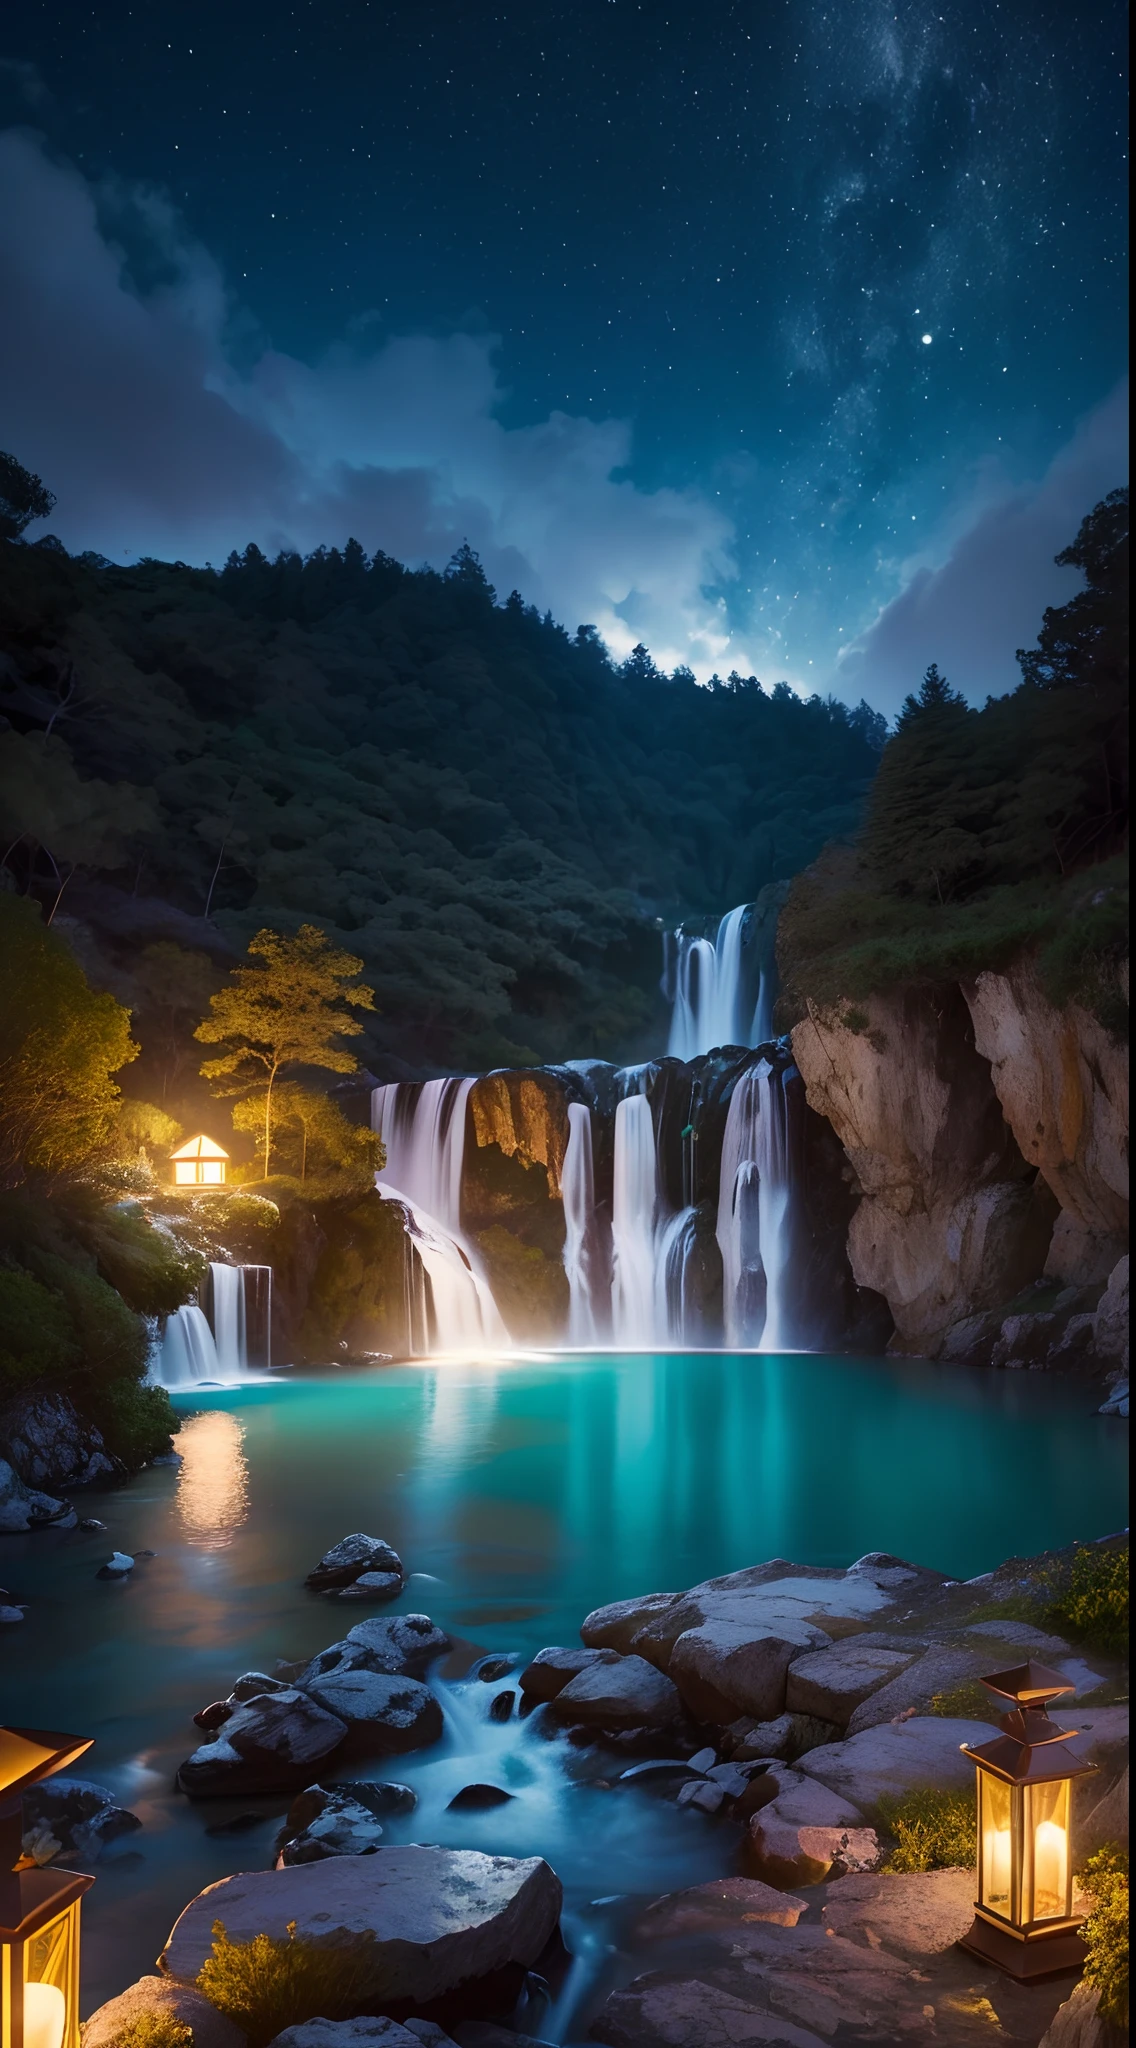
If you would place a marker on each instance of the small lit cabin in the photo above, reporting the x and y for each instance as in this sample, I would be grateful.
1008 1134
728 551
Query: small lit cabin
200 1163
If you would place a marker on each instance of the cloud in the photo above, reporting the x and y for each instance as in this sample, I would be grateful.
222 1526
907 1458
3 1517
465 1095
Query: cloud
120 384
986 599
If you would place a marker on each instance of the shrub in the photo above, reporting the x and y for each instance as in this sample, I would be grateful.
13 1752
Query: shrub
932 1830
265 1985
1091 1598
1105 1878
111 1339
154 2030
36 1338
136 1421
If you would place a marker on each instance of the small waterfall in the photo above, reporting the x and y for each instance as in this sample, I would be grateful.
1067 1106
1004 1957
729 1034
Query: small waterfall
423 1130
673 1252
635 1200
753 1211
578 1187
227 1302
187 1354
709 983
258 1315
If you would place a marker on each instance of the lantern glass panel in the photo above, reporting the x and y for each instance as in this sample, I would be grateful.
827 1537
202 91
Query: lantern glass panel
1047 1889
995 1861
51 1984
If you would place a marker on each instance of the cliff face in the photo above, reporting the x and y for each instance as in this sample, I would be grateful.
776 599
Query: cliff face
953 1219
525 1113
1062 1082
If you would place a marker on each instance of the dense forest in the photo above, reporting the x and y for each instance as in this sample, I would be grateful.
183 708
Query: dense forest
489 811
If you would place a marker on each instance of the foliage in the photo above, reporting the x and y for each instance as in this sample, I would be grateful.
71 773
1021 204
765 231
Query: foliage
154 2029
932 1830
1105 1878
288 1012
357 1297
153 1270
71 820
23 497
1085 641
265 1985
137 1421
36 1337
311 1137
1090 1597
61 1045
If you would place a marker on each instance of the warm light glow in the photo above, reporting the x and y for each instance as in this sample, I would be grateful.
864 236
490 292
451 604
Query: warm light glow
19 1757
200 1163
1050 1870
996 1851
212 1495
45 2016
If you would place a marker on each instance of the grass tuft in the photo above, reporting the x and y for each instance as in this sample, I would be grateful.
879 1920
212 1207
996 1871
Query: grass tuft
265 1985
932 1830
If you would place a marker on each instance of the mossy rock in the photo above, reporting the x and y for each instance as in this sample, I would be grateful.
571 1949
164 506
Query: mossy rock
529 1287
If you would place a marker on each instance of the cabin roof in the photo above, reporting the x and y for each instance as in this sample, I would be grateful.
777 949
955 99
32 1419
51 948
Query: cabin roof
200 1147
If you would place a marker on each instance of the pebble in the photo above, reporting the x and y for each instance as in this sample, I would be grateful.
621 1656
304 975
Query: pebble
92 1522
116 1566
11 1614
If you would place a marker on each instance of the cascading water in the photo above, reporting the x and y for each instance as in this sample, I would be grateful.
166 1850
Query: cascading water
577 1181
187 1353
227 1291
214 1339
635 1201
754 1194
423 1131
709 982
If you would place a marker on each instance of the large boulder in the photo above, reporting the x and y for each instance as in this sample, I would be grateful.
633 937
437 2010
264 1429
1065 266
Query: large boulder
727 1668
940 1668
79 1816
353 1556
49 1443
626 1693
269 1744
801 1835
403 1645
897 1757
382 1715
831 1683
158 1998
23 1508
429 1918
552 1668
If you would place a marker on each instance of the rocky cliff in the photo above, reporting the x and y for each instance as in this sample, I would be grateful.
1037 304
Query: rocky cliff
988 1134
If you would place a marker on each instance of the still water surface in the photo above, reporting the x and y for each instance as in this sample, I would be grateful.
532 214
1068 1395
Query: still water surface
519 1494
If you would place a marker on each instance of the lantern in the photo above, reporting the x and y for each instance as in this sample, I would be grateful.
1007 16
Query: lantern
200 1163
39 1909
1024 1919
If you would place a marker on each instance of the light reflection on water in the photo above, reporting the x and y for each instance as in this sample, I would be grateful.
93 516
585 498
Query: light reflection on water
212 1494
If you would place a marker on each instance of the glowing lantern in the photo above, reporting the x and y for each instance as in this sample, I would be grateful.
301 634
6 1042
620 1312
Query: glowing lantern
39 1909
1024 1919
200 1163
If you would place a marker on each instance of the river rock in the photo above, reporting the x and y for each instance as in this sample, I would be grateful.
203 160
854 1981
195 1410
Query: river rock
348 1559
269 1745
161 1999
727 1668
626 1693
831 1683
802 1834
716 1908
328 1823
478 1798
913 1913
82 1817
941 1667
501 1706
384 1715
49 1443
403 1645
492 1668
787 1736
431 1918
370 1586
22 1507
897 1757
253 1685
552 1668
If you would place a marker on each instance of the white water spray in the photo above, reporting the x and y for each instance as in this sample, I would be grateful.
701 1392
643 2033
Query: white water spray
229 1329
753 1211
578 1187
635 1201
711 990
423 1130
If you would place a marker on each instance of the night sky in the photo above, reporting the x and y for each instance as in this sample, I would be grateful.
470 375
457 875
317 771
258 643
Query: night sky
786 336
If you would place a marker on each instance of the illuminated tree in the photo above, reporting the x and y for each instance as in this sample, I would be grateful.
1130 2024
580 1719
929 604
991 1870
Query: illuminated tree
312 1134
289 1012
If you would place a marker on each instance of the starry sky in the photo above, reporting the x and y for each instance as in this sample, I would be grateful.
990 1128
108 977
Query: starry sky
787 336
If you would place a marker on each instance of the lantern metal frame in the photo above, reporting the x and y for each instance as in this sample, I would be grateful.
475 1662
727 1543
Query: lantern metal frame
1024 1782
39 1908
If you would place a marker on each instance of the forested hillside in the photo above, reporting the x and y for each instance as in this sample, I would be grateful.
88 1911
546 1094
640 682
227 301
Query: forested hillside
490 813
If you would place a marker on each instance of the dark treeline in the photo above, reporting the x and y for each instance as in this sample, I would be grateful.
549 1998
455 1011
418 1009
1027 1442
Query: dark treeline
487 809
989 831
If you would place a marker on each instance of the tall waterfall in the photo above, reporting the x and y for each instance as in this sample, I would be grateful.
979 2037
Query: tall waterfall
634 1213
754 1194
710 984
577 1182
423 1130
228 1292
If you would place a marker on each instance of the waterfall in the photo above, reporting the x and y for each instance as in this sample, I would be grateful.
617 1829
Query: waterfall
674 1248
753 1211
423 1131
578 1186
257 1309
188 1353
635 1201
227 1291
710 985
